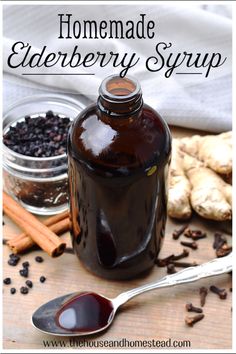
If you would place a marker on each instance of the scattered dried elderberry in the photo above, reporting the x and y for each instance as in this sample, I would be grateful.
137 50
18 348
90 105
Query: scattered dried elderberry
12 262
25 264
13 290
39 259
41 136
24 272
42 279
7 281
24 290
13 259
29 283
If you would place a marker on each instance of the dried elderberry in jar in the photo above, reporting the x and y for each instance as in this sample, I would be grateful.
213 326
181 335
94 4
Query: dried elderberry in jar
34 152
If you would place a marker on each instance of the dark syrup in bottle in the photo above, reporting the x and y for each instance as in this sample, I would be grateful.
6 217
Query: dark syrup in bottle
119 151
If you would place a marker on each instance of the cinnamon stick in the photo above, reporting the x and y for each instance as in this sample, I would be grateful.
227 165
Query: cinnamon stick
40 233
23 242
55 218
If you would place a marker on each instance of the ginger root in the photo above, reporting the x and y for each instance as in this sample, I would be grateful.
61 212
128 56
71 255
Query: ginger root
214 150
178 205
210 195
194 182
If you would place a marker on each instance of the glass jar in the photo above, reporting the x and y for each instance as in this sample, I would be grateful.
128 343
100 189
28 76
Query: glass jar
119 152
39 184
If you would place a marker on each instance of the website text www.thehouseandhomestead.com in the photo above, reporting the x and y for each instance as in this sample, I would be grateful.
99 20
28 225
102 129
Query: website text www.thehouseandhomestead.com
113 344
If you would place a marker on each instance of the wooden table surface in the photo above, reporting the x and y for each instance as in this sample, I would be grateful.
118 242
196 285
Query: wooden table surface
157 315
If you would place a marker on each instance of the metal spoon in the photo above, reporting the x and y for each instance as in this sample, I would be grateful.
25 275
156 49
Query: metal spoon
44 318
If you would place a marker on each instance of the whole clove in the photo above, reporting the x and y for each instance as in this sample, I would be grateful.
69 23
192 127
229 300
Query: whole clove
203 294
190 321
220 292
177 233
198 234
164 261
221 246
219 241
171 269
195 234
183 264
187 232
193 245
185 253
199 237
190 308
223 251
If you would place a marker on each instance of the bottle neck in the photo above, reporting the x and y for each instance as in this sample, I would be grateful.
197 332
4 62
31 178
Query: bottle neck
120 97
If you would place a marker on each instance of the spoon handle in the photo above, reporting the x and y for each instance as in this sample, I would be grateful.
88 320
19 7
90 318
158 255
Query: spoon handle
215 267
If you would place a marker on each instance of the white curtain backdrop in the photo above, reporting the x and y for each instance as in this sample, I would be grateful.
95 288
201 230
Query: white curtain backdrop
183 100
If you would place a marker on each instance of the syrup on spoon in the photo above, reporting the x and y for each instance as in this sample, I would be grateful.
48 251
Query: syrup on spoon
88 313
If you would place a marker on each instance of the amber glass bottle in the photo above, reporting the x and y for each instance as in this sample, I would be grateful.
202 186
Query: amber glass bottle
119 151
